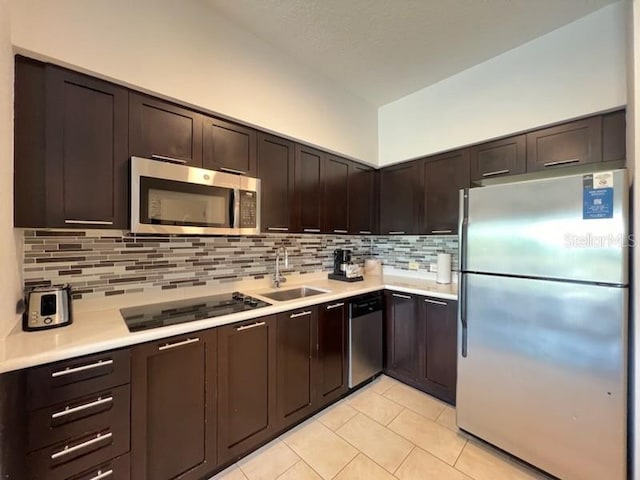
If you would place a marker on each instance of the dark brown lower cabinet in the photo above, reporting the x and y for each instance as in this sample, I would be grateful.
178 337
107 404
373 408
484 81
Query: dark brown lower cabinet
296 364
332 379
401 333
173 414
438 347
246 386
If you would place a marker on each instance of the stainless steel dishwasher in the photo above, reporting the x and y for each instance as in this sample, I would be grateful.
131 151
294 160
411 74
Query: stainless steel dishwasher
365 338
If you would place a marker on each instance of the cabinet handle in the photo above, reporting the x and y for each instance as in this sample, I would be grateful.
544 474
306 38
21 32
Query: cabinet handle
495 172
396 233
168 346
168 159
253 325
441 231
100 475
335 305
406 297
340 231
67 449
301 314
82 368
88 222
561 162
435 302
231 170
278 229
311 230
79 408
365 232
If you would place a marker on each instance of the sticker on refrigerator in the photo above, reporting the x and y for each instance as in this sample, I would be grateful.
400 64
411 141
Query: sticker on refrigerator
597 196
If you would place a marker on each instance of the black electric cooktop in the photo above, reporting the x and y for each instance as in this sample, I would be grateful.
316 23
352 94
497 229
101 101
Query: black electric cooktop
182 311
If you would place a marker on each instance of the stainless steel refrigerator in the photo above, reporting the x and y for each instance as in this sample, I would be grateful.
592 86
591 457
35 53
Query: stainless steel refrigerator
543 312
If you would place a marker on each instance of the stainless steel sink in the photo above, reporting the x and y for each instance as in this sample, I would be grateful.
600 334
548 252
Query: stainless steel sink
292 293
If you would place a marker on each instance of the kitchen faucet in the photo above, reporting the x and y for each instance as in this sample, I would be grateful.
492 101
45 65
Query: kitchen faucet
278 278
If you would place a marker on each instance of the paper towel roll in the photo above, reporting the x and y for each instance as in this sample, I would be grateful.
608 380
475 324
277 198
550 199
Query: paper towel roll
372 267
444 268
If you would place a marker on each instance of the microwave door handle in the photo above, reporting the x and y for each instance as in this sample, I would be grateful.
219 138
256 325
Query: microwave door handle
235 208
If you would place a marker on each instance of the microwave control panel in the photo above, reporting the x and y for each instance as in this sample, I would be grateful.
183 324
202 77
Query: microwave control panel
248 209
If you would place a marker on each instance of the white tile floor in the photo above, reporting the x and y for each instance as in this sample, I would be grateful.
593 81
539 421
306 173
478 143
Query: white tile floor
386 431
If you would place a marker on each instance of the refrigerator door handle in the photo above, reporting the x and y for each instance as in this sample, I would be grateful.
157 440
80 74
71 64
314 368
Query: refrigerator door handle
462 255
463 314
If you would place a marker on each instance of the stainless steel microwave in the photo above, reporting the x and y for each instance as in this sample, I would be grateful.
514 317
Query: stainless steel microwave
167 198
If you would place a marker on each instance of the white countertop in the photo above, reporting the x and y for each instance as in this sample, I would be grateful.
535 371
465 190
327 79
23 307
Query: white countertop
99 326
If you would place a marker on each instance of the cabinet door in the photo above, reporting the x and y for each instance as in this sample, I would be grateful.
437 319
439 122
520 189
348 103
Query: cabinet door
336 196
296 363
308 188
362 199
86 152
497 159
159 129
399 199
573 143
229 147
246 386
275 170
444 176
173 415
614 136
401 331
332 352
438 347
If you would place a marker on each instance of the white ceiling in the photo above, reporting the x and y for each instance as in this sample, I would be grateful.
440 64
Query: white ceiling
382 50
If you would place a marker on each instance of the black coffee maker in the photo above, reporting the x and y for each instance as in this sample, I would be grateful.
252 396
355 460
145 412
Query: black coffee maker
342 258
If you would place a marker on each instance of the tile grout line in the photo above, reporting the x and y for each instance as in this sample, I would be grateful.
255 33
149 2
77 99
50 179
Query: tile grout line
413 447
466 442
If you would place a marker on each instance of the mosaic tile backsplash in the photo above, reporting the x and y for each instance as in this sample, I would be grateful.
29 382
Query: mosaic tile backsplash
97 263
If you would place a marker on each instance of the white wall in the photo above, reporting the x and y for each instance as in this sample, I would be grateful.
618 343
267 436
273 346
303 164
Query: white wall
10 259
576 70
182 50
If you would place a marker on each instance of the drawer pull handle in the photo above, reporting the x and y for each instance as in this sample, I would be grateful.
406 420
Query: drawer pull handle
561 162
69 371
435 302
301 314
340 231
441 231
231 170
168 346
495 172
335 305
406 297
168 159
88 222
253 325
79 408
278 229
365 232
395 232
311 230
100 475
67 449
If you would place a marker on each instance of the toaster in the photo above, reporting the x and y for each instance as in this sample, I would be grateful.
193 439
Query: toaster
47 307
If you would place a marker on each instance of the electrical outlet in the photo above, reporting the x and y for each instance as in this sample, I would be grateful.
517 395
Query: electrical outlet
414 265
433 267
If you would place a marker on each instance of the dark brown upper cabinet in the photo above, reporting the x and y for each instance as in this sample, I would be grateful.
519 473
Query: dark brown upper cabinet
400 199
162 130
363 199
246 386
308 188
70 149
401 334
296 365
573 143
614 136
443 176
276 158
173 407
498 158
336 195
438 347
229 147
332 381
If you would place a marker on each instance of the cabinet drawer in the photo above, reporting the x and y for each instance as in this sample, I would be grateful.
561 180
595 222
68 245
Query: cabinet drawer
116 469
65 459
70 379
64 421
